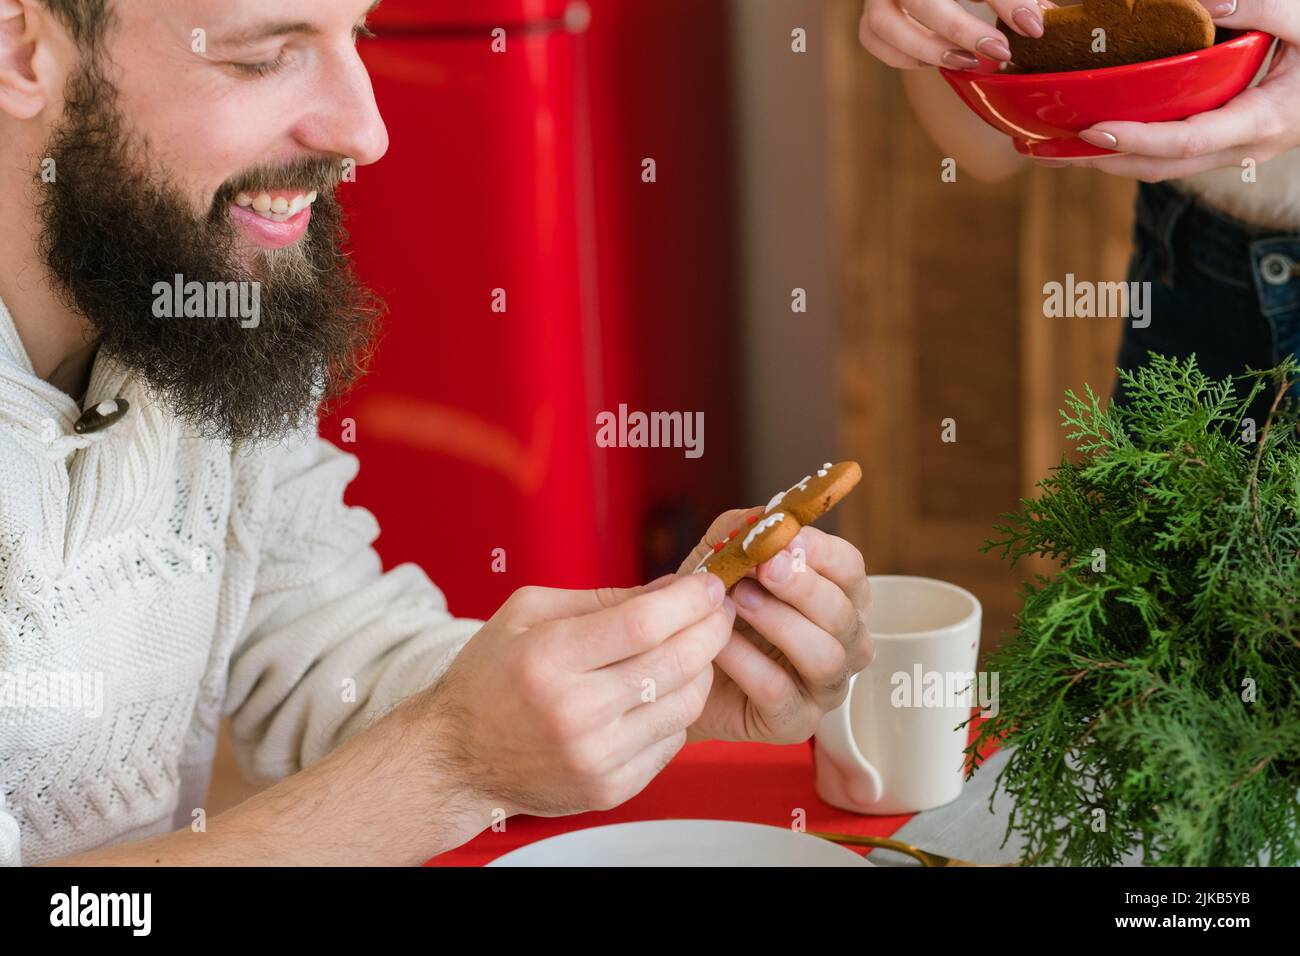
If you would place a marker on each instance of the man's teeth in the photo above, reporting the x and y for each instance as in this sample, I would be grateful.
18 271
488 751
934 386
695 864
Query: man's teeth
278 209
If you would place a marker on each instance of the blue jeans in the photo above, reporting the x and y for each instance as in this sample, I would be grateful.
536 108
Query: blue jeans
1220 288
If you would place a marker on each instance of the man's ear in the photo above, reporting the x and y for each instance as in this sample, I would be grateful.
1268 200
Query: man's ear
21 95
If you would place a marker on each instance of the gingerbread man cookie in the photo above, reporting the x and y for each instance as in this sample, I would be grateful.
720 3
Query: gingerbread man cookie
763 536
1100 33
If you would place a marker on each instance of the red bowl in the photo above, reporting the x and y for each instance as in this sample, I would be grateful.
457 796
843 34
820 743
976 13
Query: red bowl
1044 112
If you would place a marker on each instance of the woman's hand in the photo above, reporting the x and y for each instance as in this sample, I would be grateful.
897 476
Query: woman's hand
908 34
1258 125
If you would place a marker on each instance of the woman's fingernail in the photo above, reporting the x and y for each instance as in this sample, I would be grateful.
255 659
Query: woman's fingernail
995 48
1096 137
1220 10
1029 21
959 60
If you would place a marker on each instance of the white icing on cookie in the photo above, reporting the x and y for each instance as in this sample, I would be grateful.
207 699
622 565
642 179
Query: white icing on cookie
768 522
770 518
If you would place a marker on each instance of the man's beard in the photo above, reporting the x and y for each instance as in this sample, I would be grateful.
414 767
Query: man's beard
112 228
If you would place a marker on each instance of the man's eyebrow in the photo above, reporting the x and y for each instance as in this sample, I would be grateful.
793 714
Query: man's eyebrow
266 31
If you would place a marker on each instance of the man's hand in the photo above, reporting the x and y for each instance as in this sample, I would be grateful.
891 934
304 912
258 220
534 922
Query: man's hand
574 700
909 34
544 711
799 637
1260 124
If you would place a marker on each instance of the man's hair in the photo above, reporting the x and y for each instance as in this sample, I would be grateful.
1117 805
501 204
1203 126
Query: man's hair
87 20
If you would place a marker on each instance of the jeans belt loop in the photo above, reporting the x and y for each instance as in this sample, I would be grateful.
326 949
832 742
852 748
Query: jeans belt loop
1171 214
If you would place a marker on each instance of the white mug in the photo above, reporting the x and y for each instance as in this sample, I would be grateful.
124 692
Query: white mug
895 747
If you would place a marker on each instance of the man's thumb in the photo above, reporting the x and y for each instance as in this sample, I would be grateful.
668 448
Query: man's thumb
529 607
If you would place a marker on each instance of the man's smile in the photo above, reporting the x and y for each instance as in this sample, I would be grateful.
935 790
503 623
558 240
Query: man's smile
273 220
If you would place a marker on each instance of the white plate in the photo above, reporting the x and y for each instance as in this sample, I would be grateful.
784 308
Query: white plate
682 843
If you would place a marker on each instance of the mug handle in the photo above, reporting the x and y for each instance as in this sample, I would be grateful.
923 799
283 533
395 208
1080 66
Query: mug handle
858 781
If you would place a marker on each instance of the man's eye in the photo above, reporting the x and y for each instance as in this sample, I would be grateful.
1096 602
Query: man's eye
261 69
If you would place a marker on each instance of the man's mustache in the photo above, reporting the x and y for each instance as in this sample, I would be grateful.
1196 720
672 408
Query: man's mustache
306 175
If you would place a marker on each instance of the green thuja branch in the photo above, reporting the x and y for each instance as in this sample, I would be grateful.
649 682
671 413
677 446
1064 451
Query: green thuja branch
1151 690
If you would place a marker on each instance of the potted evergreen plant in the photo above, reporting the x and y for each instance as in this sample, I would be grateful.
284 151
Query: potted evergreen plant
1151 690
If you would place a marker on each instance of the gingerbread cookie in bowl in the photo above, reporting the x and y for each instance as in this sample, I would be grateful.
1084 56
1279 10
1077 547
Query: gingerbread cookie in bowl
763 536
1102 33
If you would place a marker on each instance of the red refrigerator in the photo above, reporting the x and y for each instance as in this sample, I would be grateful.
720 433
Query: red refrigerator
536 280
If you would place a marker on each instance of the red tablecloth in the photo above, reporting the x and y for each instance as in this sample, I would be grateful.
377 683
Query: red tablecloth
757 783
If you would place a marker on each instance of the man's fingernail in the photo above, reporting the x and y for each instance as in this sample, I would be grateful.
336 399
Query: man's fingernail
1219 9
995 48
778 569
717 590
800 542
747 595
1096 137
959 60
1029 21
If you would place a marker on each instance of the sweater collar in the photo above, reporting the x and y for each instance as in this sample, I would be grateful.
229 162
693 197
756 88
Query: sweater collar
30 405
22 391
12 350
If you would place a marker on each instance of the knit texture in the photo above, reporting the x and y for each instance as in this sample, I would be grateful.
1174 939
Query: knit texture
186 578
1272 200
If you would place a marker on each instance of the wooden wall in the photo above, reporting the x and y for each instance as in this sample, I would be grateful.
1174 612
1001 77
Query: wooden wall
941 316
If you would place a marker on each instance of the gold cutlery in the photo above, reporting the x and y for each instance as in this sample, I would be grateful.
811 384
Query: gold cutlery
885 843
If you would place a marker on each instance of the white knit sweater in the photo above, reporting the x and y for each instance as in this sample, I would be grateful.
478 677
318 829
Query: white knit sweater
186 579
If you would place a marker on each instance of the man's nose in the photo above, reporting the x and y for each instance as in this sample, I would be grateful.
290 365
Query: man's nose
347 121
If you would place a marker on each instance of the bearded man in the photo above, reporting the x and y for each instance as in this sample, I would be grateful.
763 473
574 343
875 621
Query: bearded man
173 538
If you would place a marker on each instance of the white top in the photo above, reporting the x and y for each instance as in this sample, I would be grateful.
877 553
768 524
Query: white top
1272 200
185 579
